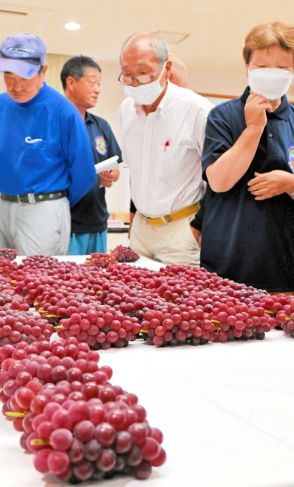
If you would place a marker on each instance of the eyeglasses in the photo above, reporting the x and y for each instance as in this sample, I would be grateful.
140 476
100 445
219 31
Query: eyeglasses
142 79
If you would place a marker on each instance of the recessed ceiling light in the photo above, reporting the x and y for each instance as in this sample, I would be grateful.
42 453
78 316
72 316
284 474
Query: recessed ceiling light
72 26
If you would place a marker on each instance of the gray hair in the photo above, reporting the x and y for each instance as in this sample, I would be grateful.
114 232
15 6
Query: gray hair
157 43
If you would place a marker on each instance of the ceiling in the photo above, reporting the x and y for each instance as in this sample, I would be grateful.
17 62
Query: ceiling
213 30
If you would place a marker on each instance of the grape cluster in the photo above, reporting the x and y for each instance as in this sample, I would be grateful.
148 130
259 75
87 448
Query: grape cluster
35 272
125 254
94 438
10 300
22 326
77 425
47 362
100 259
99 325
6 266
9 254
284 309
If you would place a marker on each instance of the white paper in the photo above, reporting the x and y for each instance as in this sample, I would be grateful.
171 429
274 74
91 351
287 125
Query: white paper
106 165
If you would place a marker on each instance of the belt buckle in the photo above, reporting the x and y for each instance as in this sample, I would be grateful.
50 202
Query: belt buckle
31 198
166 219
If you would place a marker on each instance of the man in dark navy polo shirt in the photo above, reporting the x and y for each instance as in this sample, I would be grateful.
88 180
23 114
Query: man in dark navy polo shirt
248 228
81 78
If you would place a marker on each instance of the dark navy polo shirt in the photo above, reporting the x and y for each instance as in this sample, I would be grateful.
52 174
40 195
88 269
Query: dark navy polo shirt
243 239
90 214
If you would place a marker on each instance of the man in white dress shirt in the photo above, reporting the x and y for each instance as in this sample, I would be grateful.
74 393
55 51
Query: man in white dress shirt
162 128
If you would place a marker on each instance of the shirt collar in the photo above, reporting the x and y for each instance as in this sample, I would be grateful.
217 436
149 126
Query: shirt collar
282 112
168 96
88 118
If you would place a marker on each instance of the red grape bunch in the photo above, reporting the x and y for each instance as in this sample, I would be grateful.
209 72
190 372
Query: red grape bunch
124 254
22 326
100 259
9 254
77 425
100 326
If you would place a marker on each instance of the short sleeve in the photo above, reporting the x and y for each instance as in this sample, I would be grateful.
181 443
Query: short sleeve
113 147
218 135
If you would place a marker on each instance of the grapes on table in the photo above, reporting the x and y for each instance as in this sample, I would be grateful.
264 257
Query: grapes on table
108 304
74 421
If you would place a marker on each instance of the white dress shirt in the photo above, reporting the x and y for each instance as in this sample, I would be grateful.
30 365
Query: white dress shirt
163 150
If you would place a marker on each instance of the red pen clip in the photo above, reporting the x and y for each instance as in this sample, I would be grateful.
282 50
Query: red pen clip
166 144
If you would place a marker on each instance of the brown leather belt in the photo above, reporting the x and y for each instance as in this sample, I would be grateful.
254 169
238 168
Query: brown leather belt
176 215
32 197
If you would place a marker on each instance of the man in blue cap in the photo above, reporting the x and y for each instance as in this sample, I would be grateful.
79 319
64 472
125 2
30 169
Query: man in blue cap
46 159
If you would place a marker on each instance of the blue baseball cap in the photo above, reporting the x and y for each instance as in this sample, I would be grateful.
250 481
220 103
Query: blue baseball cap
22 54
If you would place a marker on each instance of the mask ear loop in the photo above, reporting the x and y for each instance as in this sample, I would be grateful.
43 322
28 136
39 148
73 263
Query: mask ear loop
162 71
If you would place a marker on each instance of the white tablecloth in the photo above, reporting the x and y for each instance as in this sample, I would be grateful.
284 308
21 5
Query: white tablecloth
226 411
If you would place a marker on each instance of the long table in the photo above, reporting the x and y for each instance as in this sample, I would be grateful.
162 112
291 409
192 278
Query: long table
226 411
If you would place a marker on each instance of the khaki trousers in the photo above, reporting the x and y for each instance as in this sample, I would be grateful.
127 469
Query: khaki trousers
172 243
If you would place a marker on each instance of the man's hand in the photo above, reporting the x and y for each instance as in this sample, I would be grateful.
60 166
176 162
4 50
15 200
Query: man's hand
108 177
197 235
269 184
255 111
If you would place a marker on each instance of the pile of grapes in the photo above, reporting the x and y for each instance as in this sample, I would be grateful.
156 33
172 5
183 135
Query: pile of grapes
73 420
176 305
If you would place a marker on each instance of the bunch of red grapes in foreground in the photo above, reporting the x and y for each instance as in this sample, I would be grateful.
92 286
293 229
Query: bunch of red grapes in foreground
73 420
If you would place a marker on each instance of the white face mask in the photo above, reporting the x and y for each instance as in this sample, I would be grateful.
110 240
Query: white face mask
272 83
145 94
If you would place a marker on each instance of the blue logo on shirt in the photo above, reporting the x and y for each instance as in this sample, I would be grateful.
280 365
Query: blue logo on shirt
291 158
101 145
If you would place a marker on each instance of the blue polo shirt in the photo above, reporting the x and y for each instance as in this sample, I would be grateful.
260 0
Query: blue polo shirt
90 215
44 146
243 239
